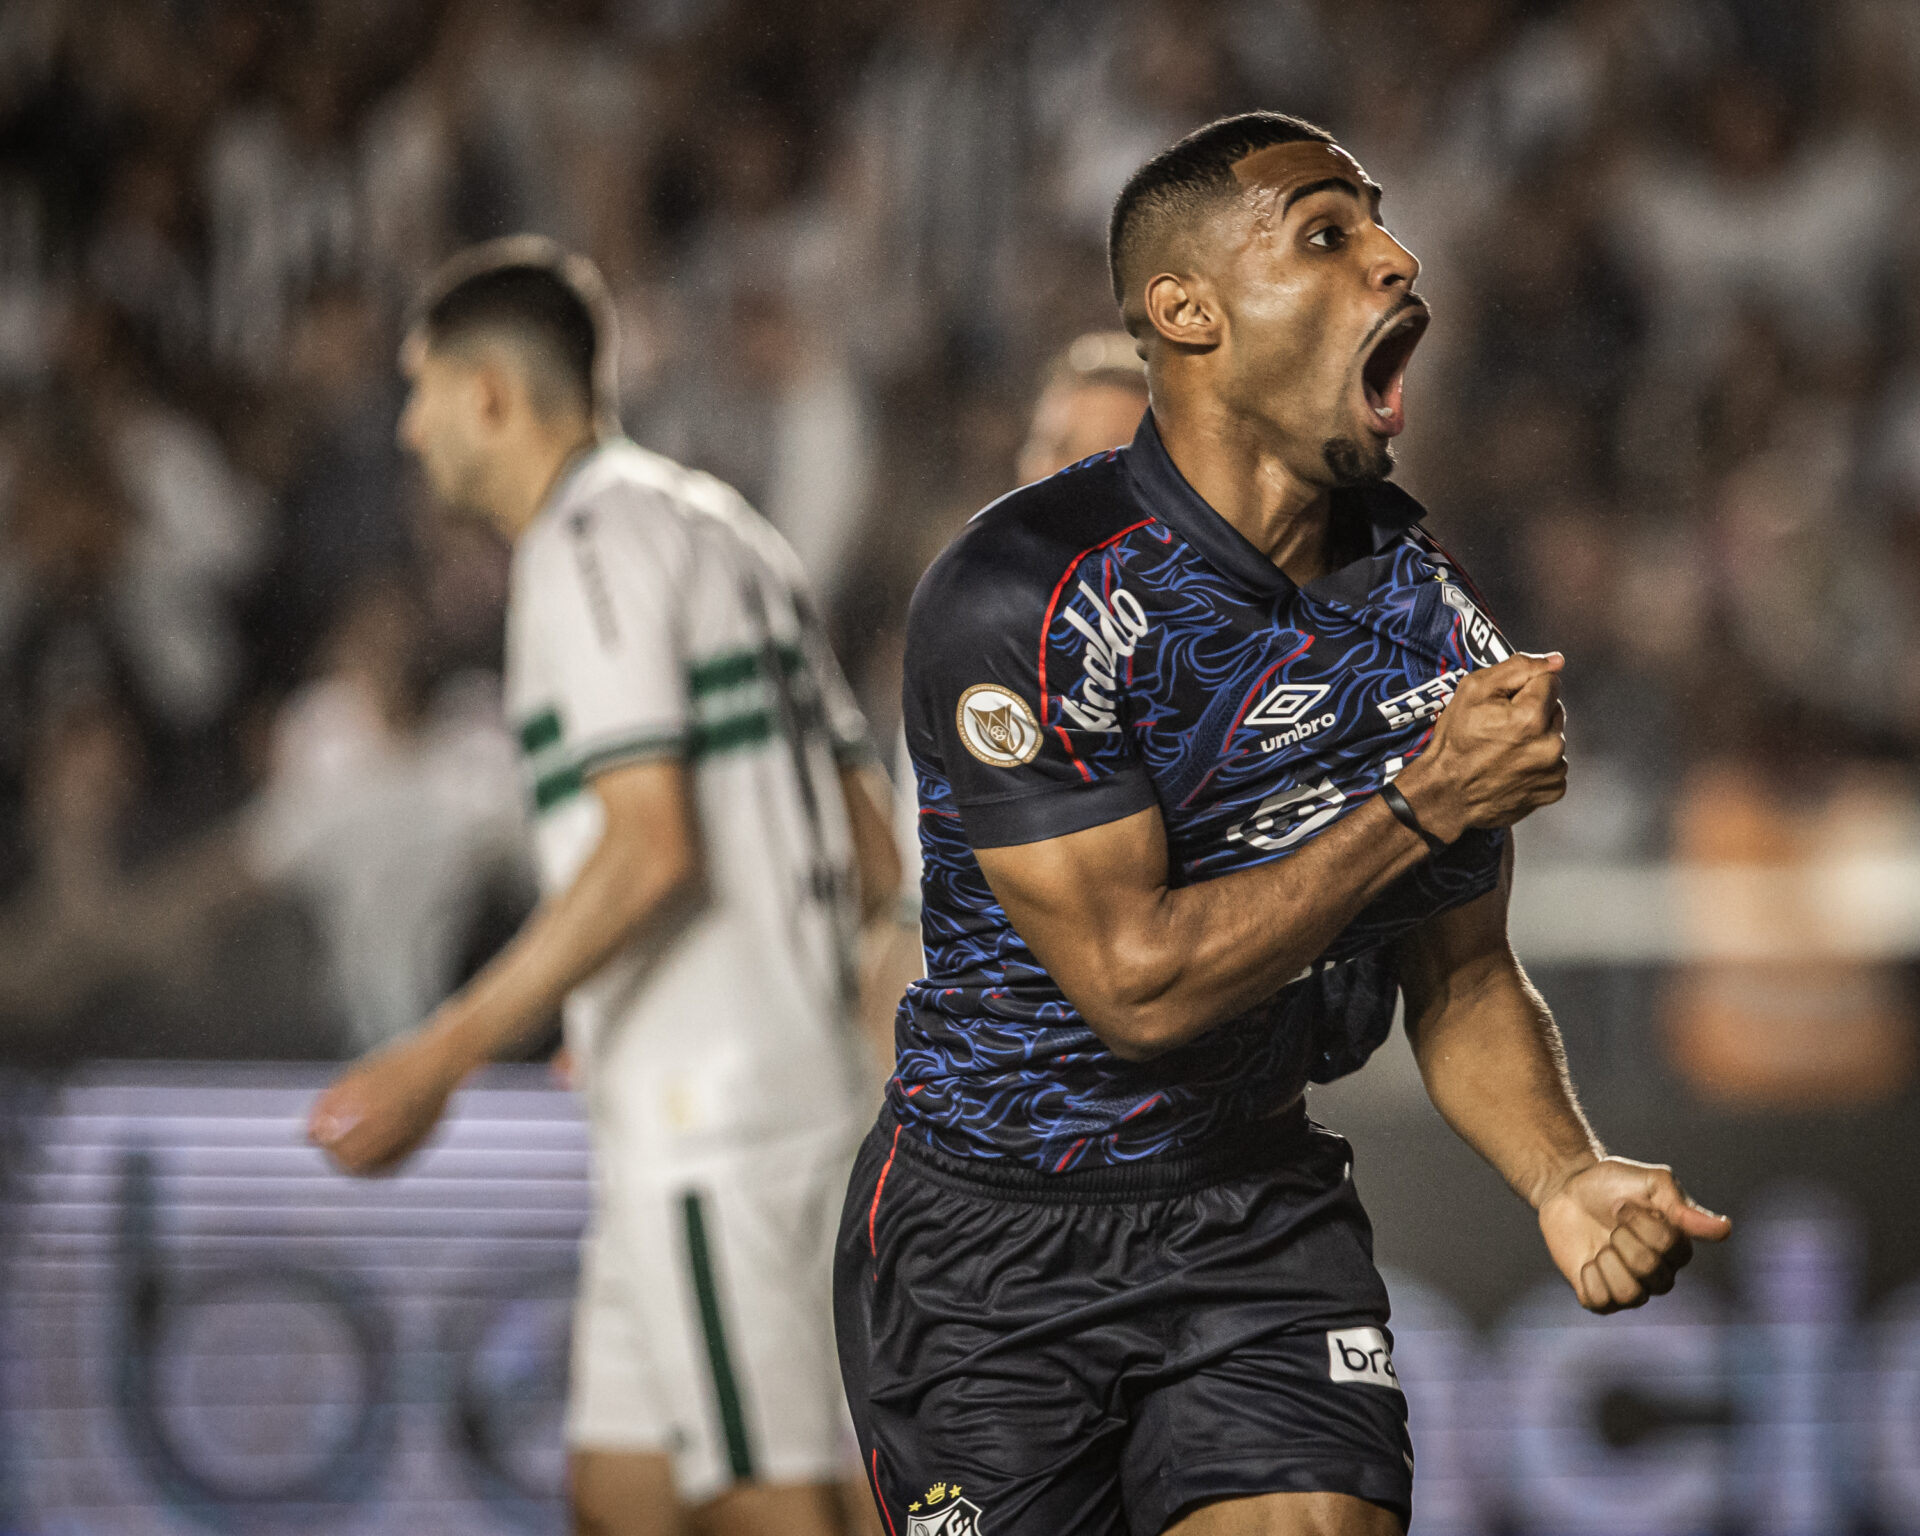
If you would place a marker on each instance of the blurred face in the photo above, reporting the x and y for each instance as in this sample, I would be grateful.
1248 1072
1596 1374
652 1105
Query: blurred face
1074 420
444 424
1320 317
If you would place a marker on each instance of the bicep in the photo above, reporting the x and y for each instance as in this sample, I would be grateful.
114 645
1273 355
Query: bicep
650 822
1075 899
1456 952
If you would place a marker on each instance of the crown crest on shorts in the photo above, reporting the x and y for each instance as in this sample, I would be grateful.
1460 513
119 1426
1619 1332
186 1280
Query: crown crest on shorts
942 1512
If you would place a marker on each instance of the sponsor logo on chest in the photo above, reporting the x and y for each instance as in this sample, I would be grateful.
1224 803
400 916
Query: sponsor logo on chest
1422 702
1289 706
1117 627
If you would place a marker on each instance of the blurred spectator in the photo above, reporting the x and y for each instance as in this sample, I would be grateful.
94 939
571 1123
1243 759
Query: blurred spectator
1749 217
1790 1023
342 511
282 214
196 534
777 413
394 810
91 947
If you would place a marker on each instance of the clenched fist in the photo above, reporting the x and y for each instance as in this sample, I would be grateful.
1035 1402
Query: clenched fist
1499 749
376 1113
1620 1231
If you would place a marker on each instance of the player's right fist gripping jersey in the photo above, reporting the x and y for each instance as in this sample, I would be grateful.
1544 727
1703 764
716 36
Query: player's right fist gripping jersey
1103 641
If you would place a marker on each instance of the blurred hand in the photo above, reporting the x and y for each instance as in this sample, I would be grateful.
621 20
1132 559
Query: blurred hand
1621 1230
376 1113
1499 749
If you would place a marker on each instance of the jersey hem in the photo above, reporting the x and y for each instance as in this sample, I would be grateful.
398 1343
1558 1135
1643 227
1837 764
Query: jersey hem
633 749
1251 1148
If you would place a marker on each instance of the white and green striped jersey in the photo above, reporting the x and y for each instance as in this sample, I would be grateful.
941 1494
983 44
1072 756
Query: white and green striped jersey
654 613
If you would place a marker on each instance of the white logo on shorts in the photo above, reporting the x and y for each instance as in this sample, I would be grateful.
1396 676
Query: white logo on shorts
1361 1354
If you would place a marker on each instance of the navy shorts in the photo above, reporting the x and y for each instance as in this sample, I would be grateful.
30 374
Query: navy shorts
1103 1351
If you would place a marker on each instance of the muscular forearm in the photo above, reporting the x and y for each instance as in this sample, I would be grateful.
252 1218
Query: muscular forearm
1490 1055
617 900
1216 949
1155 971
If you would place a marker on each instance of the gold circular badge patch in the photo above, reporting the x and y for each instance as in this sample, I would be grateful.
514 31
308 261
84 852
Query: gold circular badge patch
997 726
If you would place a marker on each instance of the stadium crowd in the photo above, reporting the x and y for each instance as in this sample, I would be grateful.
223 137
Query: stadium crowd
255 798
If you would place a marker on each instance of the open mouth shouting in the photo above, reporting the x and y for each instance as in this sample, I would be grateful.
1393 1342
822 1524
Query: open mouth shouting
1383 368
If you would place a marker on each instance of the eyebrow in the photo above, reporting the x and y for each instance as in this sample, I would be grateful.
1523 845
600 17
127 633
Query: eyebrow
1330 184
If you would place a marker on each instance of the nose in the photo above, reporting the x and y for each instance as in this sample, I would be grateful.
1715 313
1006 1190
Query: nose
1393 267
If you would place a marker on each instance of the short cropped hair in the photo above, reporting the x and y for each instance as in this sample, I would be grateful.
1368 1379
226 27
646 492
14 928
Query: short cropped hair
546 300
1187 179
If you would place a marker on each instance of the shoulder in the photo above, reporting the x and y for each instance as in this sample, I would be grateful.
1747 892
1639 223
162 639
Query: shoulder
1006 566
627 504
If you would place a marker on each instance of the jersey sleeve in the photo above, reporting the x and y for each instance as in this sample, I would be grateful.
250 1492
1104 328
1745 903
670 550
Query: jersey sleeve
608 596
990 658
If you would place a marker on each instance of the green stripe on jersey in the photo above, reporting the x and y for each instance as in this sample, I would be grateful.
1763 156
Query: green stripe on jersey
735 669
540 732
552 788
731 732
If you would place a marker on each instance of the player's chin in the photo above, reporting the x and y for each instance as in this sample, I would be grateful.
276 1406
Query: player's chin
1365 459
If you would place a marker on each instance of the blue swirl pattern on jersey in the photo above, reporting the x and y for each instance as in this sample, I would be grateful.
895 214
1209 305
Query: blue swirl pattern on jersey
1164 661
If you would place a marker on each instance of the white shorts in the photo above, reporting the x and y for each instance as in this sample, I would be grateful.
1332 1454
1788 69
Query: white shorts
704 1326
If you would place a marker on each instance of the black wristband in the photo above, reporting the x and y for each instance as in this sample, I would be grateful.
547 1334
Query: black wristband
1403 813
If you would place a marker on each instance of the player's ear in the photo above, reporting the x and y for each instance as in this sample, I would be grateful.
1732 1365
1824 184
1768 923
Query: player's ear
1184 309
495 385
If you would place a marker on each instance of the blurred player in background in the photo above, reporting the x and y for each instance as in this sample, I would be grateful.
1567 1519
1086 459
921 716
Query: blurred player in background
706 837
1093 398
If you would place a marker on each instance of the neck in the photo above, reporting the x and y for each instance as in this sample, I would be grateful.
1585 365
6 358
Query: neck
532 472
1241 472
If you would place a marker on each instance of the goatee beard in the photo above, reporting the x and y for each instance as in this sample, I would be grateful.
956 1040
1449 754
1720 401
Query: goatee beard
1350 464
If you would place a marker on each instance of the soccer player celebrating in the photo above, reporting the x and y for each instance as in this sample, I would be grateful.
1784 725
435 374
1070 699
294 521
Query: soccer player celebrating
693 756
1217 752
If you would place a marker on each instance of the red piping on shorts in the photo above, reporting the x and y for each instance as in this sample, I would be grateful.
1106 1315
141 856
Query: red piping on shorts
876 1452
873 1211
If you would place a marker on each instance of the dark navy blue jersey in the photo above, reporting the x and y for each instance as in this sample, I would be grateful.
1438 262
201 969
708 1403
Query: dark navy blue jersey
1104 641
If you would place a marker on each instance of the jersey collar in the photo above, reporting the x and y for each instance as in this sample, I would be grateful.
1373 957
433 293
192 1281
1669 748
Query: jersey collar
567 479
1164 491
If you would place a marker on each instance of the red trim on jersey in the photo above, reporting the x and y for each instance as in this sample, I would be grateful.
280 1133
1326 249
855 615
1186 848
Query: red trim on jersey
1069 1155
873 1211
1046 623
876 1493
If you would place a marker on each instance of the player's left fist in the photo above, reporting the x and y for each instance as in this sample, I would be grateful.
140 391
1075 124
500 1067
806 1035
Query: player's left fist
1620 1231
376 1113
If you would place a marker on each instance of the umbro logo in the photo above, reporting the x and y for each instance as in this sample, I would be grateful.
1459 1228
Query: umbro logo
1286 704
